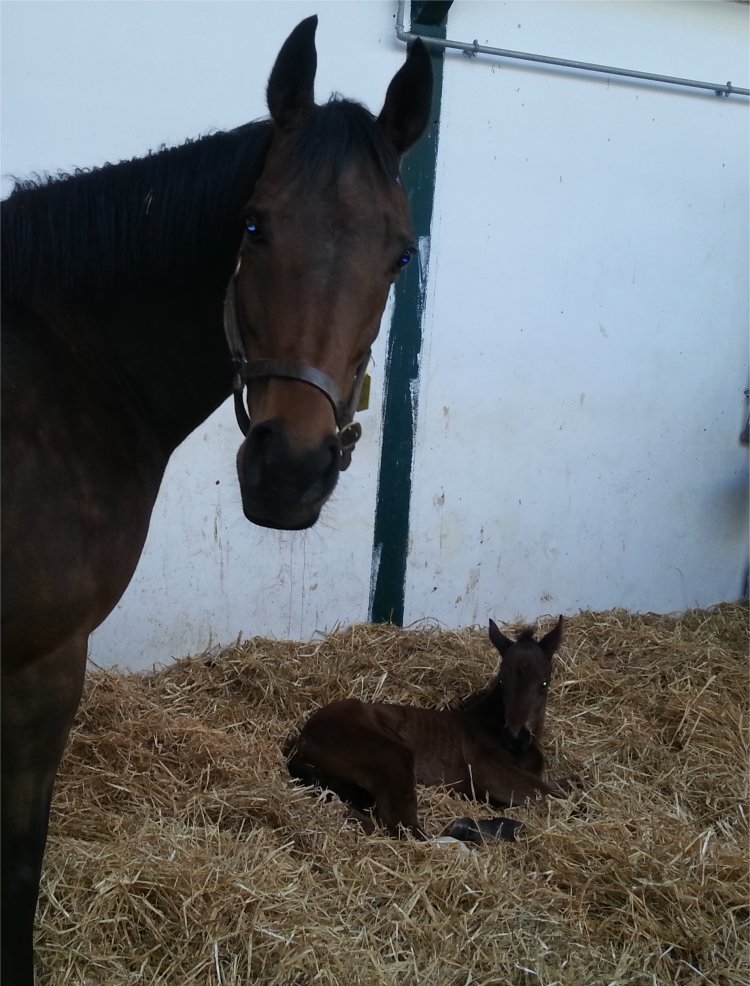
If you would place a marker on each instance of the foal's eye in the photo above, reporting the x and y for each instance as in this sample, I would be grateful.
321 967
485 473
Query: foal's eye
252 229
543 687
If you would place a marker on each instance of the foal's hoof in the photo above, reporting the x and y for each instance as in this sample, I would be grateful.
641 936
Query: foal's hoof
485 830
362 819
563 786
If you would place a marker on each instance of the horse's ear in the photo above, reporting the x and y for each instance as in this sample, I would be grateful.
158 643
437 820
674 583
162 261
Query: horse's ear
552 640
290 94
501 642
408 102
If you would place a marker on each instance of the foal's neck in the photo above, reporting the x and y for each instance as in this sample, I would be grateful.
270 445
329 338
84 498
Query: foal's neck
485 704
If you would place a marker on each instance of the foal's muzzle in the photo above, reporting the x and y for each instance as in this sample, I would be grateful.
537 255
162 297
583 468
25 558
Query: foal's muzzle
517 743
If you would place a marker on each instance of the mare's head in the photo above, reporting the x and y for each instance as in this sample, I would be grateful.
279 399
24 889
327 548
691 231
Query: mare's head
524 676
327 231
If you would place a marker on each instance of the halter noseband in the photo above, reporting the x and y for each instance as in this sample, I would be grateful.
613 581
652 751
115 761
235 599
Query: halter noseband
349 430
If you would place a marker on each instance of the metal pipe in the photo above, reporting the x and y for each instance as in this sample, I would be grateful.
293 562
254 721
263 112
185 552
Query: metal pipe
473 49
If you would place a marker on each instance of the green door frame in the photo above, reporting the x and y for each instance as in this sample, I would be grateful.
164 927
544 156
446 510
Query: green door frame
400 399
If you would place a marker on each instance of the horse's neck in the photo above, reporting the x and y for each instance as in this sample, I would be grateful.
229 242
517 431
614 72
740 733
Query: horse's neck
159 364
144 302
168 339
172 357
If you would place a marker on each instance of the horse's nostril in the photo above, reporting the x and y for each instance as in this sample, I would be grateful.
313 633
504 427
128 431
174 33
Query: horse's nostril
258 454
260 441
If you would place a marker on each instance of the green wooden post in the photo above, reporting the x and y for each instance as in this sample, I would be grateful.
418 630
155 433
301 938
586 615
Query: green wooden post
391 538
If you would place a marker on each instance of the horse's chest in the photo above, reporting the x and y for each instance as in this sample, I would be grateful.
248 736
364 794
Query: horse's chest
77 496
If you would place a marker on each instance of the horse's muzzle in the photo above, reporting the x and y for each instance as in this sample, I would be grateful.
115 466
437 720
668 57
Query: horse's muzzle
281 487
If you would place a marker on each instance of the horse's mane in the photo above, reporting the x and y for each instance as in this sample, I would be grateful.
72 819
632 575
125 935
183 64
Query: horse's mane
130 226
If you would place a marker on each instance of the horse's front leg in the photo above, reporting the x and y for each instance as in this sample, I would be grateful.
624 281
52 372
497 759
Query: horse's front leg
39 701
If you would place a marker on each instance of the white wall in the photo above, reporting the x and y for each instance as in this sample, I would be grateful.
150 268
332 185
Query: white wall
586 335
582 388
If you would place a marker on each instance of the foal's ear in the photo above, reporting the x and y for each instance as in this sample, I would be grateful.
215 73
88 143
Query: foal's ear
499 639
408 101
289 93
552 640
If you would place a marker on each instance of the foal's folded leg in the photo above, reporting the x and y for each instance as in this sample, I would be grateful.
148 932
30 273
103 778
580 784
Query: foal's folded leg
511 786
347 751
393 783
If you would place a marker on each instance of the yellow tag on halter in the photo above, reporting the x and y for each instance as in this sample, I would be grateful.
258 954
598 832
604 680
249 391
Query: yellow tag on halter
364 394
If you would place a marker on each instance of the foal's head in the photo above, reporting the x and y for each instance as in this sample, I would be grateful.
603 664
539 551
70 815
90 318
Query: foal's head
327 231
524 677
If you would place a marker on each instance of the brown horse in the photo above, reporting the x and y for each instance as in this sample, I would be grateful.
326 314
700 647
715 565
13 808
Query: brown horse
120 336
373 754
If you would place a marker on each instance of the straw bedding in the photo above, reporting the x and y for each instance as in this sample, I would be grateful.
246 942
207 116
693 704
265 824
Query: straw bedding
180 852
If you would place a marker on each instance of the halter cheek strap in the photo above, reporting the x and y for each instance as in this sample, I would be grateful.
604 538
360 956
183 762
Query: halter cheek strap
349 431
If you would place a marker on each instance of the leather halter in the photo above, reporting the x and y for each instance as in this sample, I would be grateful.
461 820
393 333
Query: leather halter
349 430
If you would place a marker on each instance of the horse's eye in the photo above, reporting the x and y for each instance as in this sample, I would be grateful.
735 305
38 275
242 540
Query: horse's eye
405 259
543 687
252 228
